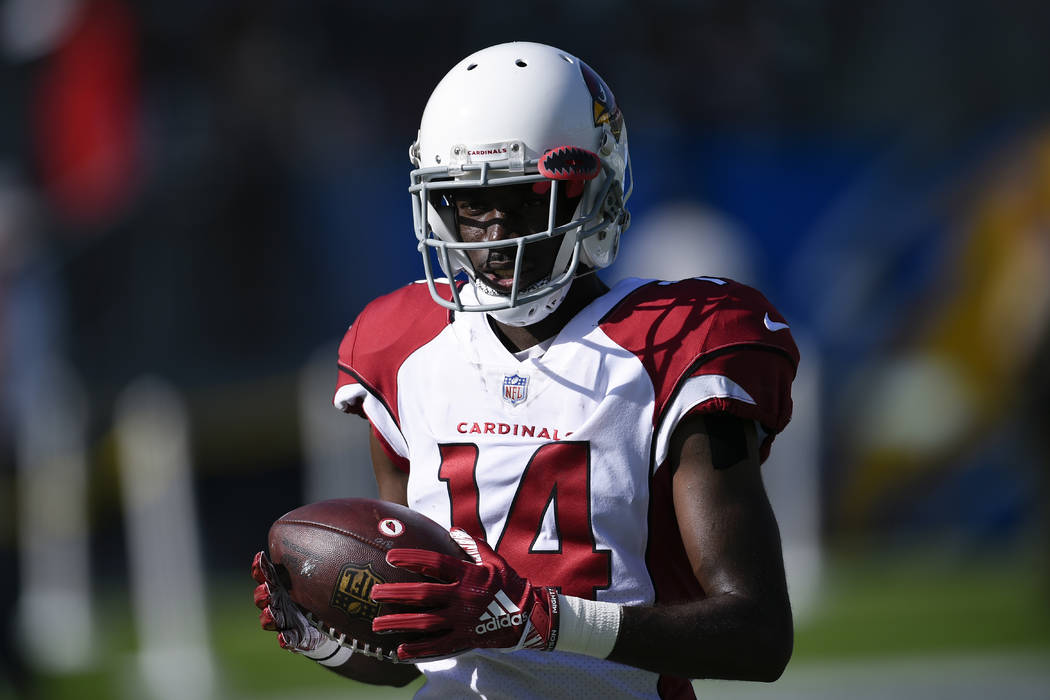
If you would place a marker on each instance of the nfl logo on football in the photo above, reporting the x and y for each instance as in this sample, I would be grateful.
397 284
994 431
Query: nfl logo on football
515 389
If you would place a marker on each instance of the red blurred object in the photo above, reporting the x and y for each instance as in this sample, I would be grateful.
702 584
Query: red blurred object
85 114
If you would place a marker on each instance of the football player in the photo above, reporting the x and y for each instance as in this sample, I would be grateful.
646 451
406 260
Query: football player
595 451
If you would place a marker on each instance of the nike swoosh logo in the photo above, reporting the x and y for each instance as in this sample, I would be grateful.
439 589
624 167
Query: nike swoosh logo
774 325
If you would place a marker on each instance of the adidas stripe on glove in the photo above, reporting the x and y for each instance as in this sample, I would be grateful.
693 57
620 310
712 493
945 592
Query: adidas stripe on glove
484 604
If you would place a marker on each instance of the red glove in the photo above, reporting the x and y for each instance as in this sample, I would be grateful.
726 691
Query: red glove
280 614
485 604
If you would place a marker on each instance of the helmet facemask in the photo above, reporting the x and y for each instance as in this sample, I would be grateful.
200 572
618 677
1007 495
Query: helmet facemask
572 219
499 216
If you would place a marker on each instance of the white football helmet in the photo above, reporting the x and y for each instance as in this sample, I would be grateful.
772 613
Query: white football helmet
521 113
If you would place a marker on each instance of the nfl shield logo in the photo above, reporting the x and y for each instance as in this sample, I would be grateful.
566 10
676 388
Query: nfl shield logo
515 389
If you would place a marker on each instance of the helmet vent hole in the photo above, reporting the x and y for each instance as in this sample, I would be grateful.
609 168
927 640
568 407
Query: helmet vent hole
520 63
565 58
472 66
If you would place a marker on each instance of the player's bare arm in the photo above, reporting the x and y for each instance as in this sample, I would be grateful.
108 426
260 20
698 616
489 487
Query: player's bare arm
742 629
392 482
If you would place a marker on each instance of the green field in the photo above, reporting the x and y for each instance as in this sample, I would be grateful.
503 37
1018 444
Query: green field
873 611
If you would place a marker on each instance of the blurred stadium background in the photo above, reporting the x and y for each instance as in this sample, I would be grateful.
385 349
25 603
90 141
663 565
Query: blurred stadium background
197 197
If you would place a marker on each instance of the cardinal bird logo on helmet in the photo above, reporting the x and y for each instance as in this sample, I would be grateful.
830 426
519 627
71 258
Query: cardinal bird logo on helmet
606 111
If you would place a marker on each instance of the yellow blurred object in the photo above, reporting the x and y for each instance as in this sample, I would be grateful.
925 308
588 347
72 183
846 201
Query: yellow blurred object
962 371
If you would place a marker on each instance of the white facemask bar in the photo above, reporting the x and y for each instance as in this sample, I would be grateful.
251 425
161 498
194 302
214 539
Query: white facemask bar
590 224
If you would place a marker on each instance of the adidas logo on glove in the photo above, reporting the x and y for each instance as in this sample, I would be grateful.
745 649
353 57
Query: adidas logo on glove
502 612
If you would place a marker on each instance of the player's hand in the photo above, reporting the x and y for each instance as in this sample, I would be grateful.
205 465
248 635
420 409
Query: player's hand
484 604
279 614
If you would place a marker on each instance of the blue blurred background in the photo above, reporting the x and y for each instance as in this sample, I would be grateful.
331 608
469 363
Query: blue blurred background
207 192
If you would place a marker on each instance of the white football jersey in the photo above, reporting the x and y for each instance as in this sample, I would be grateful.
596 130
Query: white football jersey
558 459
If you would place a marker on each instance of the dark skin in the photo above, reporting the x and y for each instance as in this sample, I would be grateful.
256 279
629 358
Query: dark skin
496 214
505 213
742 629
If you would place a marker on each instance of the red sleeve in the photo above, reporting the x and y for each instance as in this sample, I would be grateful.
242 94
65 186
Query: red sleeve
371 353
346 378
764 375
708 344
373 349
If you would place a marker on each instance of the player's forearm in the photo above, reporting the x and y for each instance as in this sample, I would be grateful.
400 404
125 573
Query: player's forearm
727 636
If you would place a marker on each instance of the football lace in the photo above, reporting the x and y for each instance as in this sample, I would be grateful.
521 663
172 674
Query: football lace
352 644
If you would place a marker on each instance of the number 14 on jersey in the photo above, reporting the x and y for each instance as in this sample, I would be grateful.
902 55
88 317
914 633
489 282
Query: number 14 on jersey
556 478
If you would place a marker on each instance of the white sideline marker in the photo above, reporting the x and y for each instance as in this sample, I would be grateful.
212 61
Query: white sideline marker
792 478
334 445
174 657
54 608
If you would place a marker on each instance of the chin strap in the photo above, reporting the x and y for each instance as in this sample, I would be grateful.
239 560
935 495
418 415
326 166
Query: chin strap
523 314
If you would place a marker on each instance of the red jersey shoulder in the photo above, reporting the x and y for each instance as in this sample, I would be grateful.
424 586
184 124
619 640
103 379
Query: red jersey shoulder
387 331
709 325
695 317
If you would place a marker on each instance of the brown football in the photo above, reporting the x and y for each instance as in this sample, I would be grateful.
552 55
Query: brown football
329 554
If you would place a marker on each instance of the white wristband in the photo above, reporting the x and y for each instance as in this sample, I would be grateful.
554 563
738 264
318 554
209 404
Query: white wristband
587 627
